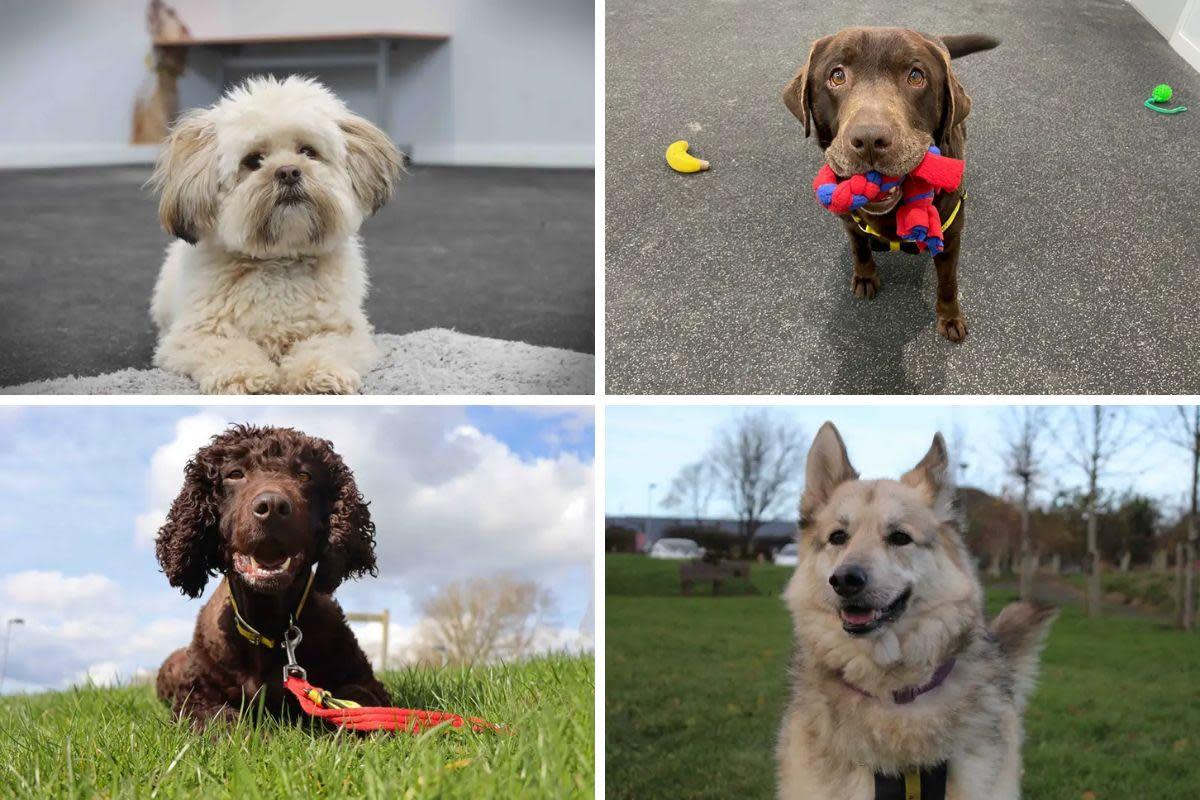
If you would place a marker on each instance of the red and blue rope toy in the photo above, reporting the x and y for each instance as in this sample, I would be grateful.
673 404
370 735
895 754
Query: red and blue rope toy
917 218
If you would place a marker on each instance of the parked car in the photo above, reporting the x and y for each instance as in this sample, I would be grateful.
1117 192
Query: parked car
787 555
677 549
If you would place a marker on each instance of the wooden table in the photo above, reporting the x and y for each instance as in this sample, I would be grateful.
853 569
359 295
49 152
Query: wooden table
231 56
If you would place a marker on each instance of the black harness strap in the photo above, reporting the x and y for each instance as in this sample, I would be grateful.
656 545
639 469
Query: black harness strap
928 783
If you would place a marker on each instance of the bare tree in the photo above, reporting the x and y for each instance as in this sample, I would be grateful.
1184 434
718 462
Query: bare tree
1181 427
692 488
1092 439
1023 430
758 459
479 621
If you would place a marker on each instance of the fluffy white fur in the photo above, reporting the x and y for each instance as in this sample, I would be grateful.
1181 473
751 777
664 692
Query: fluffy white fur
833 739
264 293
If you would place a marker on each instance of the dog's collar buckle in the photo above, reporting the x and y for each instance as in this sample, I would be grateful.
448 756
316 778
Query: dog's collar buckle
254 636
918 783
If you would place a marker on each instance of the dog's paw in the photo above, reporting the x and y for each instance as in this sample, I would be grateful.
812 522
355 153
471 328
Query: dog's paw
953 328
244 380
321 379
865 287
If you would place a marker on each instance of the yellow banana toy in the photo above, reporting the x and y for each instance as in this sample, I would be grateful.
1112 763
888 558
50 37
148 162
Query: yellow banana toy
681 161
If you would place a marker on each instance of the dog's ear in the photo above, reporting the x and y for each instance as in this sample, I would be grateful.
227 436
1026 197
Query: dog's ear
187 544
373 161
186 175
797 96
828 467
931 477
349 550
956 103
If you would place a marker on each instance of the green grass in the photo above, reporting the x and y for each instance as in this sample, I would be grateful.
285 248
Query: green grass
122 743
1152 590
696 686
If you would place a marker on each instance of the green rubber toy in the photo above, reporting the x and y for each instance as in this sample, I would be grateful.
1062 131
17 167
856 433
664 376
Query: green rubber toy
1162 94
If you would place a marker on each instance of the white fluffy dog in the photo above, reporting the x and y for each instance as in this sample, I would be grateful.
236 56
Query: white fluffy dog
267 190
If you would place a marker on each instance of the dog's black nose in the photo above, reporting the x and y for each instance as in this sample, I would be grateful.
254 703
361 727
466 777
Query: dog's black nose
270 504
849 580
288 174
870 140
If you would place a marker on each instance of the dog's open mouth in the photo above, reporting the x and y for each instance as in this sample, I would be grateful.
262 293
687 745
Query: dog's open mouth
858 620
884 203
266 571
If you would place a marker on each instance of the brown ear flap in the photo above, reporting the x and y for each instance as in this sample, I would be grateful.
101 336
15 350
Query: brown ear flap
187 544
931 477
956 103
349 550
373 161
828 467
796 95
186 175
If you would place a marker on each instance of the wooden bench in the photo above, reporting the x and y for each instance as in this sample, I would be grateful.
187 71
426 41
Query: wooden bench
230 55
692 572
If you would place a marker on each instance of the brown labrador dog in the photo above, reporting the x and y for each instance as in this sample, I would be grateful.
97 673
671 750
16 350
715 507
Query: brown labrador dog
878 98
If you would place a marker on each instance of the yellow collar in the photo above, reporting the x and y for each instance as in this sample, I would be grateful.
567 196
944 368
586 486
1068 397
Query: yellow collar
894 244
249 632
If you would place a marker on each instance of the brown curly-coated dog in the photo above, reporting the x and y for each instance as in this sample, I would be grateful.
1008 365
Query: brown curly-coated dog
262 506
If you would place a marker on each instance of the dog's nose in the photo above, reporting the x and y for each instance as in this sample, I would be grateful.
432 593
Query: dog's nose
288 175
267 505
871 140
849 580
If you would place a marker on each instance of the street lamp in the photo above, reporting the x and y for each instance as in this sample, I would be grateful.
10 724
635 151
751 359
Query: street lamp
4 660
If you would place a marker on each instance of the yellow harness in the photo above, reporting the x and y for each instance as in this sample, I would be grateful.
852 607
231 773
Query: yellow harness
249 632
894 244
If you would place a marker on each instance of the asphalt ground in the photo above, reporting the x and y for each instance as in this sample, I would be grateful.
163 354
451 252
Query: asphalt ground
1080 270
502 253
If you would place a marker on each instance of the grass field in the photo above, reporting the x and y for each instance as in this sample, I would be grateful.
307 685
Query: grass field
121 743
695 688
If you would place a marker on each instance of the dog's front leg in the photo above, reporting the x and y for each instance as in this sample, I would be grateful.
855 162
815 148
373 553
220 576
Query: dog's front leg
220 364
865 281
328 363
951 322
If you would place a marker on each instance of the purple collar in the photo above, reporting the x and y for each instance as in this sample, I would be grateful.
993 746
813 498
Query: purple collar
909 693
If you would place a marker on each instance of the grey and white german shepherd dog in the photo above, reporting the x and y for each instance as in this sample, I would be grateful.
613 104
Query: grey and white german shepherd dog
900 688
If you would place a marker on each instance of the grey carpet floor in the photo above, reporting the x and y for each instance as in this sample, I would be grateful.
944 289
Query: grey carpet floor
499 253
428 362
1081 263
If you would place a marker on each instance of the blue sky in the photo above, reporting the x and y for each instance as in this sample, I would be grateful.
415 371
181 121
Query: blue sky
648 444
456 492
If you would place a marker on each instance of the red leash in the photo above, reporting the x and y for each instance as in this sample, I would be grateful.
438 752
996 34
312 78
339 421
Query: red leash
319 703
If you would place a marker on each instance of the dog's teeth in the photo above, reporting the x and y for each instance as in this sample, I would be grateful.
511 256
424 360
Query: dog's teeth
254 563
287 562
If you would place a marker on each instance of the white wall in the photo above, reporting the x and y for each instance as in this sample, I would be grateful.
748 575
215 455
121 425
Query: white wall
513 85
1179 23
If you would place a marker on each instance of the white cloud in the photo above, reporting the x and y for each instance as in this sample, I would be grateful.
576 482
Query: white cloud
55 591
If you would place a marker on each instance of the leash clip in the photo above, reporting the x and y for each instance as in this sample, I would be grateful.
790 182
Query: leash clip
290 640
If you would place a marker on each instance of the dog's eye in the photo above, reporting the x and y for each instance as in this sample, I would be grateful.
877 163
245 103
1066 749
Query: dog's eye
234 475
305 150
837 77
252 161
916 78
303 476
838 537
899 538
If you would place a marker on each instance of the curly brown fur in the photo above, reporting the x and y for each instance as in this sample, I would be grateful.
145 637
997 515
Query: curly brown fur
262 506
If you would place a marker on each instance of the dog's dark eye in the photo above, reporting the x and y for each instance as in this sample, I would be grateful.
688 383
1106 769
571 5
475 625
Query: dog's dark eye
837 77
916 78
305 150
234 475
303 476
838 537
252 161
899 538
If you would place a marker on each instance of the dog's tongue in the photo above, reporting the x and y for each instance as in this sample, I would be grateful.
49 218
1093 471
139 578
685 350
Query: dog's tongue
859 617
